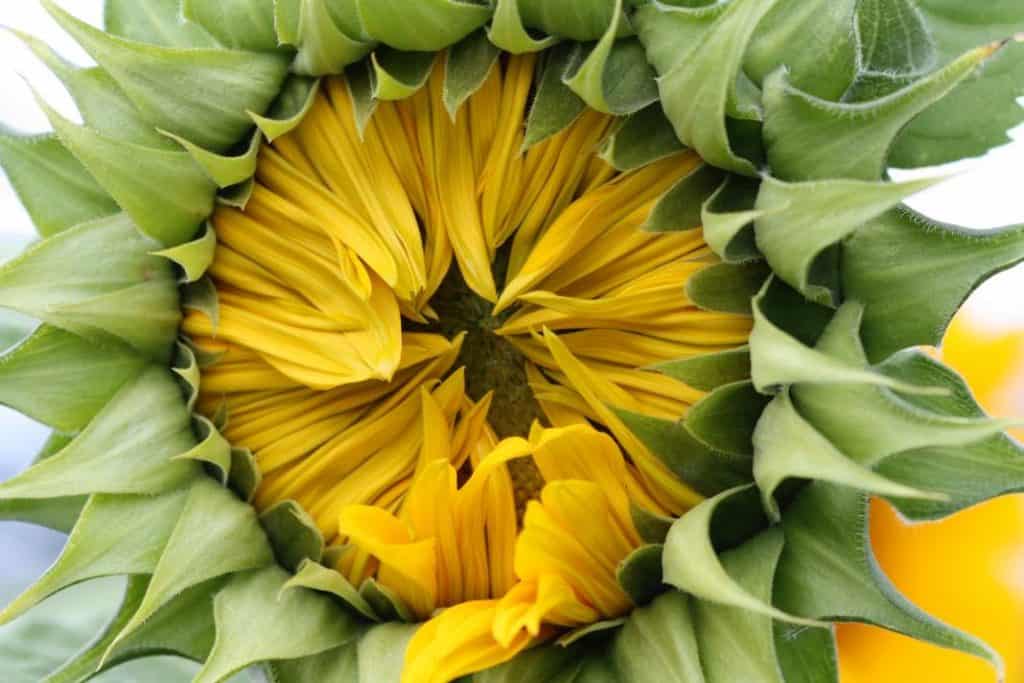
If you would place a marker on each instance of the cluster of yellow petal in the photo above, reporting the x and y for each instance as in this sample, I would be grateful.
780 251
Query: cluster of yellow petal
329 361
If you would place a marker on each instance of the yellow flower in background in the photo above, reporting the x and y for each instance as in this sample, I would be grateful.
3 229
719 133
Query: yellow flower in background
967 570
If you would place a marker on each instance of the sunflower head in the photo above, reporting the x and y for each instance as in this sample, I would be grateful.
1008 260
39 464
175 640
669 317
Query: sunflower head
512 341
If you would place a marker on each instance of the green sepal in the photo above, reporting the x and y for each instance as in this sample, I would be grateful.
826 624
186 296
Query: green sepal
199 94
215 535
421 25
466 67
224 170
548 664
728 216
793 237
323 47
201 296
735 644
643 138
815 40
381 652
692 564
580 20
183 627
257 622
157 22
657 643
185 365
195 257
639 574
165 192
238 24
976 115
681 207
314 576
40 168
966 474
829 571
709 371
590 630
63 380
237 196
708 472
778 359
74 280
615 77
385 602
398 75
126 449
728 287
787 447
114 536
59 514
508 33
724 420
806 655
212 449
340 665
696 91
890 264
554 105
807 138
296 99
653 528
359 82
898 422
245 476
14 328
293 534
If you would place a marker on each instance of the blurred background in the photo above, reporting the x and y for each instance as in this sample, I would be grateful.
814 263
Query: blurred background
968 570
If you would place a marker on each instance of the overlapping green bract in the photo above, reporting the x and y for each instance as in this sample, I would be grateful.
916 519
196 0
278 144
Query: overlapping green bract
798 106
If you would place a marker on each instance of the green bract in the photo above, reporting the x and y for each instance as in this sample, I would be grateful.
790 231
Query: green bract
798 108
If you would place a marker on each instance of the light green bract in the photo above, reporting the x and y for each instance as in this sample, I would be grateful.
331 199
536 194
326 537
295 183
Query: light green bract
798 108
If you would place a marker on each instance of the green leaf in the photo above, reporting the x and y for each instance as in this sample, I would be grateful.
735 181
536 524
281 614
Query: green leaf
324 48
912 274
239 24
976 115
257 622
705 470
807 138
696 91
314 576
728 287
14 328
63 380
398 75
787 447
199 94
615 78
507 32
814 39
965 474
296 99
709 371
126 449
225 170
115 535
728 217
554 105
724 420
293 534
691 562
166 193
806 655
158 22
467 64
212 449
421 25
40 168
735 644
894 38
75 280
681 207
658 643
828 571
794 238
643 138
195 257
215 535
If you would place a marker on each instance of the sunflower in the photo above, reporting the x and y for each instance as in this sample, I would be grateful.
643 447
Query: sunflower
502 341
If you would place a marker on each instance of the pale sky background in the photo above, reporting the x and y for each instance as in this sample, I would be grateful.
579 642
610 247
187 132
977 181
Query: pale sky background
985 193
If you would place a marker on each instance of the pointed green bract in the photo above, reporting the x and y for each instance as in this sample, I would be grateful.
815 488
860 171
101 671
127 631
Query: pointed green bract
238 24
293 534
314 576
728 287
507 31
201 94
40 168
466 67
323 48
555 106
158 22
643 138
397 75
421 25
63 380
710 371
